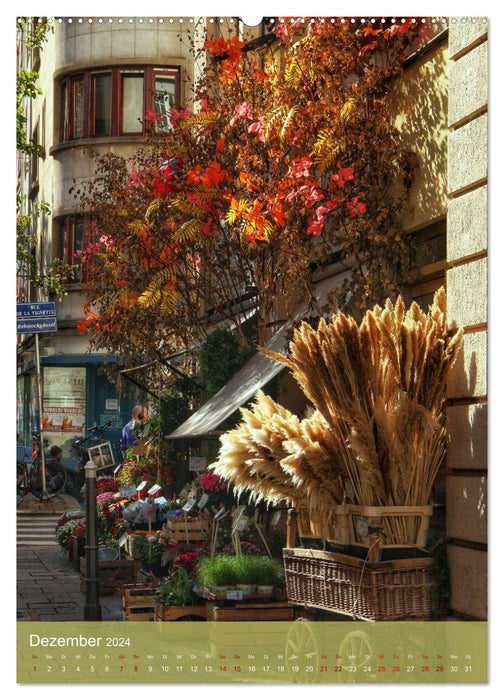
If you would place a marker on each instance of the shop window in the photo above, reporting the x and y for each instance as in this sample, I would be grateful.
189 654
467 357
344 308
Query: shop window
113 102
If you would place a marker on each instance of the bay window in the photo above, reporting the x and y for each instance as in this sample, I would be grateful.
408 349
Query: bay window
114 101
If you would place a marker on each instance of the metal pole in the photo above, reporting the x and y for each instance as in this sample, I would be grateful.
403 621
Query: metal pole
92 608
45 496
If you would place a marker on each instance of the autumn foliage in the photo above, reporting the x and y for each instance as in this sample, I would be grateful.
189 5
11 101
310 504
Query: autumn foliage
287 158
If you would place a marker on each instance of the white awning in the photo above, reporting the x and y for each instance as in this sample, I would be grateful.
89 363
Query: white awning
258 371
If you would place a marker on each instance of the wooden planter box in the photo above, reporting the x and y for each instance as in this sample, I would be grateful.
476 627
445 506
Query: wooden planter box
249 612
190 531
113 575
390 590
138 602
170 613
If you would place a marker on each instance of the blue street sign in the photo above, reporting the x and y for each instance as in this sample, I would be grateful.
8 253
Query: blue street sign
36 318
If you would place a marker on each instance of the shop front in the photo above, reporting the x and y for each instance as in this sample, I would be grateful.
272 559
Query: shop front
76 396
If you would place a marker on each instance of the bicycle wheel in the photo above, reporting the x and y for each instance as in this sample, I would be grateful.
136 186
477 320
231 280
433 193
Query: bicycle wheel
56 478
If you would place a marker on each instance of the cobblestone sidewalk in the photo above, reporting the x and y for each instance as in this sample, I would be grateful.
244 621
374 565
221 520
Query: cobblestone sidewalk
48 588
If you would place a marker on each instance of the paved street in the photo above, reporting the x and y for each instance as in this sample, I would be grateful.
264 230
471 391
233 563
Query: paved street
48 586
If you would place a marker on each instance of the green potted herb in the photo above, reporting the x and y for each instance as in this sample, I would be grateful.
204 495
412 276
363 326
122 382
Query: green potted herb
217 574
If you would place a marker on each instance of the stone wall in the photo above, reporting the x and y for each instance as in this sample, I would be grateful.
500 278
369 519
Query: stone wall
466 483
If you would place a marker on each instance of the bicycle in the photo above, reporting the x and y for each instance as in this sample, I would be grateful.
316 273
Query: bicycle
84 449
29 475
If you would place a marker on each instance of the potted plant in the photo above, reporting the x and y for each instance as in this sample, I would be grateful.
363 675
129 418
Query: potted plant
176 598
217 574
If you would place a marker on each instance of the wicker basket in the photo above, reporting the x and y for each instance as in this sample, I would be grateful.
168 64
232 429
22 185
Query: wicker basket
392 590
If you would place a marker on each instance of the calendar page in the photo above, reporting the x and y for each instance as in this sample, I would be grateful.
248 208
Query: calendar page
268 239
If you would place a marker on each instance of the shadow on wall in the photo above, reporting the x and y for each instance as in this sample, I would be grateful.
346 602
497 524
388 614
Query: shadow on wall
467 422
467 443
420 101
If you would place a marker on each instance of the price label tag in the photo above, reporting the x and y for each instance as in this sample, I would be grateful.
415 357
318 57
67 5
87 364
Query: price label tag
128 491
141 486
221 514
234 595
238 511
123 539
361 526
203 500
189 505
154 489
240 523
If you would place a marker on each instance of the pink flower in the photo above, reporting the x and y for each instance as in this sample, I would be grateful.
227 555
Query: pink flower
301 168
242 111
256 128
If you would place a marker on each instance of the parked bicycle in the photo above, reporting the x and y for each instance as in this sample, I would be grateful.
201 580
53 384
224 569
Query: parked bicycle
29 473
92 447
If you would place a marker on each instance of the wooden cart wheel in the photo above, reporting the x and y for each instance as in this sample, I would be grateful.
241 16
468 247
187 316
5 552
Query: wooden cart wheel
301 652
356 655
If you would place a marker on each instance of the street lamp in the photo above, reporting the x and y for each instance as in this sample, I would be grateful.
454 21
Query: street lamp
92 608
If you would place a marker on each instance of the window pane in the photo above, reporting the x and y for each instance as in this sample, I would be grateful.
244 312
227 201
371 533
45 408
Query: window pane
431 250
77 107
132 103
164 99
102 102
78 235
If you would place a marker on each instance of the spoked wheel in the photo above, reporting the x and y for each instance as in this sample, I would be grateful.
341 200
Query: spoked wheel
356 654
56 478
301 652
20 482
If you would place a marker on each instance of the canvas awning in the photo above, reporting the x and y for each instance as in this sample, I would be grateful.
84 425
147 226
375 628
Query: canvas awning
258 371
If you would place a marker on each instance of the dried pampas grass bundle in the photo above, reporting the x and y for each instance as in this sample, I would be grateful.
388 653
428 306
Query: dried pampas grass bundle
380 388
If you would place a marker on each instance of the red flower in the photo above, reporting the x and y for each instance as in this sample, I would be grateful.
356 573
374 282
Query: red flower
356 207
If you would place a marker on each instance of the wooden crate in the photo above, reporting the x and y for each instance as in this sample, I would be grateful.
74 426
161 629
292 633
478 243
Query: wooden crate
379 525
138 602
188 531
172 613
249 612
390 590
309 528
113 575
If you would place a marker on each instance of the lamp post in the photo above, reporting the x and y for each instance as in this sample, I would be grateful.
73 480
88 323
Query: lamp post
92 608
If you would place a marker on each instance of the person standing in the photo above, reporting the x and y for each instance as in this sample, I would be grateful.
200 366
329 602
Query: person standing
128 439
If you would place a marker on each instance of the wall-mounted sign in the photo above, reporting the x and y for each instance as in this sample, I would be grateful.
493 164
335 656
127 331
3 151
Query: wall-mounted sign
197 464
36 318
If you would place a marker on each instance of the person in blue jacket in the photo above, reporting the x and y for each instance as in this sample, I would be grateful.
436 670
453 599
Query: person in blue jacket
128 439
